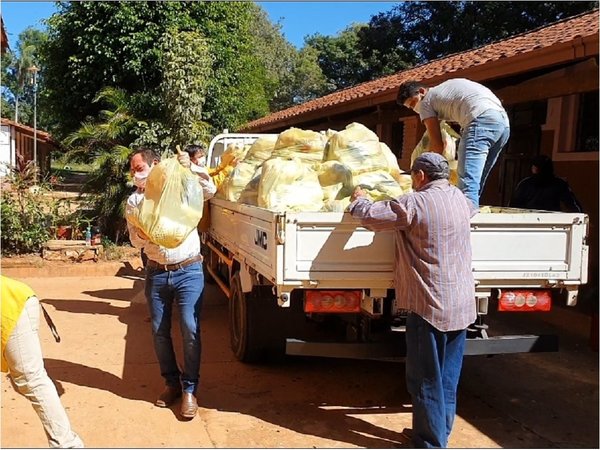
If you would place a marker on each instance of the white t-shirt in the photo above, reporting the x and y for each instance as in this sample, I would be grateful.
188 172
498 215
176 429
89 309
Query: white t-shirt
458 100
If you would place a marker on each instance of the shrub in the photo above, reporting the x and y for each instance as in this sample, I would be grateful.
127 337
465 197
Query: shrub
23 215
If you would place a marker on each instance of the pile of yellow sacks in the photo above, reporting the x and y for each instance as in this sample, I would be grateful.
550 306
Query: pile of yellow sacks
303 170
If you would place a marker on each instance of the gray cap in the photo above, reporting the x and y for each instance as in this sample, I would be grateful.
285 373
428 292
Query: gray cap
432 164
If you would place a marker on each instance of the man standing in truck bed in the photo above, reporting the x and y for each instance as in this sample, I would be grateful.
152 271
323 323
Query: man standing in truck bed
482 119
434 281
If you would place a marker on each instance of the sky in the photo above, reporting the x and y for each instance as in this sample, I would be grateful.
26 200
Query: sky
299 19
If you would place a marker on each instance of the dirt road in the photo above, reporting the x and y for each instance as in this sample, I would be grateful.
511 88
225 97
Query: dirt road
107 376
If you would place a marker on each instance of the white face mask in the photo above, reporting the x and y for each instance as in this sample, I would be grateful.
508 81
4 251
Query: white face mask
417 107
139 178
201 161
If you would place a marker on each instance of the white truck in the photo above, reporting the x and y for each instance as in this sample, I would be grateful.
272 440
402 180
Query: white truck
318 283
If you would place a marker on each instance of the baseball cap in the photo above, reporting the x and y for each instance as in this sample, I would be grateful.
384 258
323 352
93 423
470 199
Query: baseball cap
431 163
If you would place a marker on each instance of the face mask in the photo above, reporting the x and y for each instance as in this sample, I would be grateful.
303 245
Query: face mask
201 161
417 107
139 178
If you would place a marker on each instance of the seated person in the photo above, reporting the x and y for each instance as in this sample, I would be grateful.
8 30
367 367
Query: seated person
543 190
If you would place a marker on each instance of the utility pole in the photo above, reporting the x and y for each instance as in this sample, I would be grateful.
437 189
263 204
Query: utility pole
34 71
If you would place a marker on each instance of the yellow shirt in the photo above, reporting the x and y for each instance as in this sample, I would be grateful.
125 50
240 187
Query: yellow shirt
14 296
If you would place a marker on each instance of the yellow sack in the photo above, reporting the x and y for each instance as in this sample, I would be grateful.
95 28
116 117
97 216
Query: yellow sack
237 181
287 184
358 148
308 146
249 194
260 150
336 182
379 184
449 137
172 204
246 170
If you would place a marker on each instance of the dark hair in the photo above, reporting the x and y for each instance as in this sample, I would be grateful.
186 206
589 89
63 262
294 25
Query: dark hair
192 149
148 154
544 164
407 90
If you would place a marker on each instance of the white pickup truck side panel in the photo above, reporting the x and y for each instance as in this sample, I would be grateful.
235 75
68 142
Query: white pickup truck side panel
331 250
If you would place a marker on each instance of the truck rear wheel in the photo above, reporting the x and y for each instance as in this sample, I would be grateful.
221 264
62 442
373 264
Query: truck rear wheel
255 333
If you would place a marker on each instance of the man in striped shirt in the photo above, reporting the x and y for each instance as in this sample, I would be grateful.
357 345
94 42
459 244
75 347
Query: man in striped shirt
434 282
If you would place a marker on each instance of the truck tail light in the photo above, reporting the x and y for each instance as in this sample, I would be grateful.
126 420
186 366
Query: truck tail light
332 301
525 300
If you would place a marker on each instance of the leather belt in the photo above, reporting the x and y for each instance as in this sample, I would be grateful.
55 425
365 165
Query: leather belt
170 267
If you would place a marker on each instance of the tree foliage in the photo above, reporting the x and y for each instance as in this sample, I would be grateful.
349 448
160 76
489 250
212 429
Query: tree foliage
17 77
419 31
236 92
187 64
422 31
94 45
106 143
339 57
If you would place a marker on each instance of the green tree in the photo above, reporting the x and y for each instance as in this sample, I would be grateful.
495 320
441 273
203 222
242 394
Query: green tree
17 78
106 143
422 31
306 81
93 45
236 92
187 66
339 57
278 58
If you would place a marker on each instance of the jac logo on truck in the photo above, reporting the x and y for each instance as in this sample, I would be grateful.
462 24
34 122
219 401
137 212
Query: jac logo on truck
260 239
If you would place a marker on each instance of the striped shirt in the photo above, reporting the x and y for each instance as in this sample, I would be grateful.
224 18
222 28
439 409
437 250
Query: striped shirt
433 275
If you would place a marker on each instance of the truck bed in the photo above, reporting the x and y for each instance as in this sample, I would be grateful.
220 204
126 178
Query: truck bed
511 248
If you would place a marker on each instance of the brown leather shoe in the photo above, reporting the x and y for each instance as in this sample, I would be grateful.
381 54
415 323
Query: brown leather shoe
168 396
189 405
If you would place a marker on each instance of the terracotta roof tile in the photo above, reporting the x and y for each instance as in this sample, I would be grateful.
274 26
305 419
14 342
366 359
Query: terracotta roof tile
559 33
41 134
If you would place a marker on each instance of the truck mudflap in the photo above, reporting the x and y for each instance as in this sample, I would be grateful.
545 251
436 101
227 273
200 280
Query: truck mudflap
396 350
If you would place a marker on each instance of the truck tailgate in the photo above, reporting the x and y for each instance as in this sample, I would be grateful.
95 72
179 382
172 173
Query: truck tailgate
331 250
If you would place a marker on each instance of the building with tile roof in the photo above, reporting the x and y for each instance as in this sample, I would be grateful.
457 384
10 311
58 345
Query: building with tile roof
547 79
16 146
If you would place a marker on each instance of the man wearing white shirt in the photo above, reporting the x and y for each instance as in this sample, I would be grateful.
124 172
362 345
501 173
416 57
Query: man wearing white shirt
172 274
483 121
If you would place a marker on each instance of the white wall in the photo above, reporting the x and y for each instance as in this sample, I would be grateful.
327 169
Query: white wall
7 157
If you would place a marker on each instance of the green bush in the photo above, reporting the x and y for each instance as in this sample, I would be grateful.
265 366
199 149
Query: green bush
23 217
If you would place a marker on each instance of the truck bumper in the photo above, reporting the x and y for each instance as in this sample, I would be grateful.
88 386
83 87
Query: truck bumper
396 351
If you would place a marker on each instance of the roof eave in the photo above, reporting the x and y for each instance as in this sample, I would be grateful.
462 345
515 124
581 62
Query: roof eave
578 48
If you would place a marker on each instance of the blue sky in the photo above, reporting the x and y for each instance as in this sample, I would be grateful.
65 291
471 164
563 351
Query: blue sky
299 19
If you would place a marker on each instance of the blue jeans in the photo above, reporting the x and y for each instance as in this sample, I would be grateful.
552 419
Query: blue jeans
163 288
433 365
480 145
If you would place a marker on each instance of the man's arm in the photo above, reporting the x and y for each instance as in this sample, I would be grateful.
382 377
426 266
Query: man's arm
137 237
208 186
382 215
436 144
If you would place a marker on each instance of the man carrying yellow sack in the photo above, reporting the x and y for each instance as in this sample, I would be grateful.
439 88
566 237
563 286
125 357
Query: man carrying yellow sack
22 358
173 276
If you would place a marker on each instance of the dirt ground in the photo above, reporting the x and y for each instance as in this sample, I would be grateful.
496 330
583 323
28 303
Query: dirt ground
106 373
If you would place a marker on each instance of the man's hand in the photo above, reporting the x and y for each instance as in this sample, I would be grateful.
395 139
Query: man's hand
141 234
358 192
184 159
